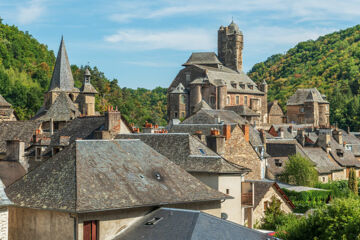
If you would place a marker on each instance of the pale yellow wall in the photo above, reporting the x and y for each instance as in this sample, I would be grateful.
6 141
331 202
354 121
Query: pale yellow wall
259 211
340 175
25 223
232 207
111 223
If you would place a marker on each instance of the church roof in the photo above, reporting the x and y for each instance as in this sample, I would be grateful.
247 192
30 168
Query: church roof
62 78
306 95
98 175
202 58
3 102
63 109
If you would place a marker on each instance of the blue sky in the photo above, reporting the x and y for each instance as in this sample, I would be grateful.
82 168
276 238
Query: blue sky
144 43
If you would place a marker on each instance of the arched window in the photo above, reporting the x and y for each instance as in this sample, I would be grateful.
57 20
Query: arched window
182 99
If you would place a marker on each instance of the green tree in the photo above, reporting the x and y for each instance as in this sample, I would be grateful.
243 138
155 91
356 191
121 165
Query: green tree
353 183
299 171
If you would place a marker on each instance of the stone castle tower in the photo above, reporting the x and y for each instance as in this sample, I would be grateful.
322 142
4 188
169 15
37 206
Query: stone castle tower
230 46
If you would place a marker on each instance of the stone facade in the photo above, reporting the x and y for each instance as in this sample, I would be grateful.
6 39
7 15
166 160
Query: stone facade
6 111
219 81
4 223
238 150
308 106
275 115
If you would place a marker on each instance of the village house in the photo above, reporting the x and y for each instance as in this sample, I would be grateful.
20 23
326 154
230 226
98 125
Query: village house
64 102
263 196
308 106
219 81
275 113
191 154
6 110
187 225
93 189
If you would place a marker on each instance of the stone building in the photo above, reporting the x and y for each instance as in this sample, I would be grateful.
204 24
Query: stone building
95 189
63 101
219 81
275 113
308 106
6 111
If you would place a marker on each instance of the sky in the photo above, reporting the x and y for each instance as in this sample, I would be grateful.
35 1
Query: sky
144 43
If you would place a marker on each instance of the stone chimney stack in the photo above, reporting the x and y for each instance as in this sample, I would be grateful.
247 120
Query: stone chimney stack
112 120
246 131
324 140
301 137
281 132
338 136
216 142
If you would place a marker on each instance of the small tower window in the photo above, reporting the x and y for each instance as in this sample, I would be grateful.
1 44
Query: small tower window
87 79
182 99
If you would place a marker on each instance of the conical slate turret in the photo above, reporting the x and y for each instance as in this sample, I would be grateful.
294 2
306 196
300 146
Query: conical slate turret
62 77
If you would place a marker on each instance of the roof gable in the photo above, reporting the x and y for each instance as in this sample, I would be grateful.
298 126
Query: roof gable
202 58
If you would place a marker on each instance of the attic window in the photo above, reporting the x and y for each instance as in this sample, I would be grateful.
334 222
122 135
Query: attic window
242 85
233 84
250 86
158 176
202 151
154 221
278 162
340 152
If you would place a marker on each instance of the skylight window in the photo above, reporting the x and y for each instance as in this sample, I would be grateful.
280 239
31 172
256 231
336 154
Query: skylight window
202 151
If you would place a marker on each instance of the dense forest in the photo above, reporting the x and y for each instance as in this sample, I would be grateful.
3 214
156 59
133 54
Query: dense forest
25 72
331 63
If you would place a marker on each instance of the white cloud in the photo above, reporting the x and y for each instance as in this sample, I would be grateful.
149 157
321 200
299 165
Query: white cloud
31 11
183 39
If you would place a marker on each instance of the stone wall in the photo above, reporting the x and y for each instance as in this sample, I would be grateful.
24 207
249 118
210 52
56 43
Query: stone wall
239 151
259 211
4 221
276 114
339 175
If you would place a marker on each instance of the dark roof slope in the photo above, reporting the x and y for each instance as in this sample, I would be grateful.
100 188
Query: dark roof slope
210 116
187 151
179 224
324 163
62 78
242 110
63 109
347 159
202 58
93 175
17 130
306 95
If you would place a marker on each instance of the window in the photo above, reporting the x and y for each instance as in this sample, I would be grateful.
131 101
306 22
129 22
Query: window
348 147
227 191
56 126
90 230
278 162
212 100
233 84
202 151
227 100
302 110
237 100
323 179
182 99
250 86
187 77
182 114
176 115
242 85
266 205
245 100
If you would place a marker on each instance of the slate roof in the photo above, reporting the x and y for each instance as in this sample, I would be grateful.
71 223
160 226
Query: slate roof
202 58
187 151
3 102
351 139
262 187
306 95
324 163
88 88
179 224
20 130
103 175
10 171
242 110
63 109
224 75
201 105
62 79
193 128
347 160
209 116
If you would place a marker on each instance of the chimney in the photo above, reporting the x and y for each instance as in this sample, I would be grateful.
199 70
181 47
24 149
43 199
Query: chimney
348 129
51 126
324 140
112 121
199 134
338 136
216 142
15 150
263 137
148 128
281 132
245 129
301 137
227 131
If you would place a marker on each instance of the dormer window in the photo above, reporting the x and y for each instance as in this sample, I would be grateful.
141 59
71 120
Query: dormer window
340 152
242 85
250 86
348 147
233 84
